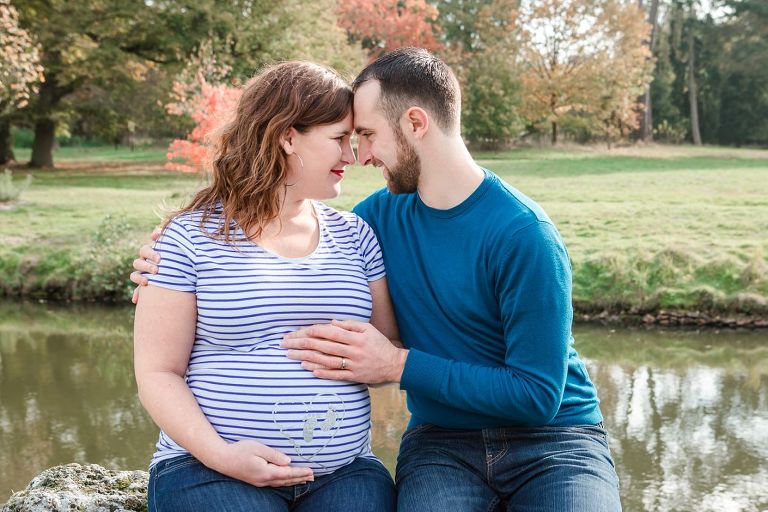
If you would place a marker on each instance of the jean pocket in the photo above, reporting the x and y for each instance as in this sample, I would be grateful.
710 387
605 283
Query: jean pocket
170 465
418 429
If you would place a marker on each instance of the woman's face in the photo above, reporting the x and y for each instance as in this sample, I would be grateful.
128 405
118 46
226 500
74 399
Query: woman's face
324 151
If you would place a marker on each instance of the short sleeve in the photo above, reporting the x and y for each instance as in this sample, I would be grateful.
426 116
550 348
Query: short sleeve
177 259
373 259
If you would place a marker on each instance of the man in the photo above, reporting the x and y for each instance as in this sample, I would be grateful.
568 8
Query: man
504 415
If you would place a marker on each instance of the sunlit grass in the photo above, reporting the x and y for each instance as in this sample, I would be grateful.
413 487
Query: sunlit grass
647 228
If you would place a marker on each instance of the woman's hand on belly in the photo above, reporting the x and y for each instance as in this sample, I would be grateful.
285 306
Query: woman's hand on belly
258 464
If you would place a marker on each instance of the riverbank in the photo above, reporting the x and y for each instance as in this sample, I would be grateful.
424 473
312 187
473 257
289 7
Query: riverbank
674 236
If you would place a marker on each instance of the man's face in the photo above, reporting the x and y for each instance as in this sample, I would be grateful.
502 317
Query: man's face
382 145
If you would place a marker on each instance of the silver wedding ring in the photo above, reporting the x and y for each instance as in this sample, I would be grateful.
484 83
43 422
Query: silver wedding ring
343 363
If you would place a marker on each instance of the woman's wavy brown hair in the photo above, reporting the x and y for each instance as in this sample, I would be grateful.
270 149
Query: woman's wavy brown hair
250 167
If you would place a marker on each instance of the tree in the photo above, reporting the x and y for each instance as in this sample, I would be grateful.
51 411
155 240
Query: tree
582 57
313 31
206 89
692 87
743 112
86 43
380 26
482 49
210 108
646 121
20 73
252 33
726 88
100 44
623 80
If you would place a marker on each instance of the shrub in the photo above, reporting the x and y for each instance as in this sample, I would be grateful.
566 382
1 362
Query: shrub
10 191
670 133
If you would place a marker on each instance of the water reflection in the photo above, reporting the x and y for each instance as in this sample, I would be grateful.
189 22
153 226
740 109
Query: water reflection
688 417
687 412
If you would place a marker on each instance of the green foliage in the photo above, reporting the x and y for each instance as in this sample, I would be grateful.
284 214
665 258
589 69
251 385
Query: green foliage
22 137
491 99
731 74
668 279
578 128
482 47
102 263
671 134
95 270
10 191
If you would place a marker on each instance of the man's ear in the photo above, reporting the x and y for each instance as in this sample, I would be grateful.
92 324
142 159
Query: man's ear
416 122
287 141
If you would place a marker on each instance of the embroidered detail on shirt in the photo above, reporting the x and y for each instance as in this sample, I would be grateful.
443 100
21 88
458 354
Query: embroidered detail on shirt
325 412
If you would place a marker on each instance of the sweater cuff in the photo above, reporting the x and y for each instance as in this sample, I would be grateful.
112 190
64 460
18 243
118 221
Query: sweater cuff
424 373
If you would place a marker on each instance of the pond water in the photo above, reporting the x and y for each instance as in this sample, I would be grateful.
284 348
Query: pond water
687 412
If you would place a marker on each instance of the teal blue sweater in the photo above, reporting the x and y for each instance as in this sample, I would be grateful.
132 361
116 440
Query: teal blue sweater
482 295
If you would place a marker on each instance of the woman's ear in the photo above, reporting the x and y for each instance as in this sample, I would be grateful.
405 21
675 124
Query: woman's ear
287 141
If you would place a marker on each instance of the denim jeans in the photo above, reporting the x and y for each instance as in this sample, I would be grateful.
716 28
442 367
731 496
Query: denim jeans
556 469
184 484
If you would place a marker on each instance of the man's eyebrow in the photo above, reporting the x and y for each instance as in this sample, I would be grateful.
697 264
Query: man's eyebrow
360 129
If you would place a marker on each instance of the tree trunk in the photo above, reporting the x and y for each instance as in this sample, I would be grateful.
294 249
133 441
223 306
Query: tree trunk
42 147
6 143
692 94
47 100
646 122
554 132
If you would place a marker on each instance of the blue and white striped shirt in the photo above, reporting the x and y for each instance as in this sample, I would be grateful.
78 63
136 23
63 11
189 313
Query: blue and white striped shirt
247 299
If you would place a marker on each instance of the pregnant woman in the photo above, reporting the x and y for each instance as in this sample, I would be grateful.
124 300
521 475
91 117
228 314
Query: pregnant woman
254 256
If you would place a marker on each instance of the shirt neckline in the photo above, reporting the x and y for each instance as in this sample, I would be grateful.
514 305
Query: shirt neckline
466 204
319 215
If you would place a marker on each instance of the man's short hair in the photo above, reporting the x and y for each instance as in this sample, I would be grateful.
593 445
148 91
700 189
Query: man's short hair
414 77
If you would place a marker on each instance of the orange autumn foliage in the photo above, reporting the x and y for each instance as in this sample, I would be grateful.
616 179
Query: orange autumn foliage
381 26
210 109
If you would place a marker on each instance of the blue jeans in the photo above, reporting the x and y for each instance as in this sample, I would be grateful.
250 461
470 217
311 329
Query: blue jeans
556 469
184 484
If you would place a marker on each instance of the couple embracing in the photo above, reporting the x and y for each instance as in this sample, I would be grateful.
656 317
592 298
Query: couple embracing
268 314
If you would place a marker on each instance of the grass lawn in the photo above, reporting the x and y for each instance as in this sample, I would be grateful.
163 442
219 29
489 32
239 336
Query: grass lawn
101 154
647 228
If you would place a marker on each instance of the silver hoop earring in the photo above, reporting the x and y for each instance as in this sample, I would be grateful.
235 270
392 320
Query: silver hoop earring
300 160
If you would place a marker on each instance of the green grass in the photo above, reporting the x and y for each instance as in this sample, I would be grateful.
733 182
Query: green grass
100 154
647 228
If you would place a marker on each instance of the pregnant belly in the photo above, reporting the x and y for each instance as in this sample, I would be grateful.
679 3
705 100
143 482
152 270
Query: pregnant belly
318 423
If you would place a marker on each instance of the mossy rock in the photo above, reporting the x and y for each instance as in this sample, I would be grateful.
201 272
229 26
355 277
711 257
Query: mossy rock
88 488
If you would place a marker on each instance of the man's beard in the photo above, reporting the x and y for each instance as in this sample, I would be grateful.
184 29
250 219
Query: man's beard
404 175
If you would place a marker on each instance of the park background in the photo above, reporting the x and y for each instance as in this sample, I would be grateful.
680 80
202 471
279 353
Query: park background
640 126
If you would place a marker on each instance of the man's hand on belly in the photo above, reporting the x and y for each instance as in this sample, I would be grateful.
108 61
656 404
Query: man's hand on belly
347 350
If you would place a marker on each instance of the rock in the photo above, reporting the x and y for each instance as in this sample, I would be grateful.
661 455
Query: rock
89 488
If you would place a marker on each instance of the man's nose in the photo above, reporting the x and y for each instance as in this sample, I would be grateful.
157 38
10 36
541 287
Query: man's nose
363 151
